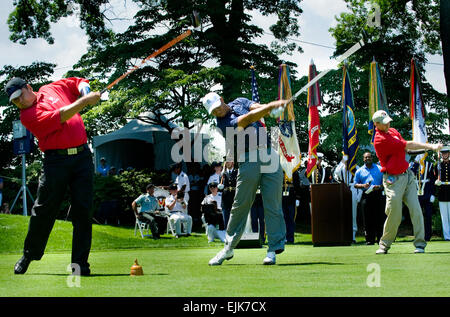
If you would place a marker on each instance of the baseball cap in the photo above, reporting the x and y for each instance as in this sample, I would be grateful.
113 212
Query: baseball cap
211 101
319 155
445 149
14 87
381 116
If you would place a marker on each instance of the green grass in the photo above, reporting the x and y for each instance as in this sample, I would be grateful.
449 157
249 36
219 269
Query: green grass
178 267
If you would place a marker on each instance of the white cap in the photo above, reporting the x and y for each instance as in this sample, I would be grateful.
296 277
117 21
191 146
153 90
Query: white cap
319 155
381 116
211 101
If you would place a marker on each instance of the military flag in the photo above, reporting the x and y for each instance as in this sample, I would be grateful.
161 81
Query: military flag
349 130
377 97
314 101
417 108
288 148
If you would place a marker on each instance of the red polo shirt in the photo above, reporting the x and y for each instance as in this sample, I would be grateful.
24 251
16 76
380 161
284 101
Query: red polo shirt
44 121
390 150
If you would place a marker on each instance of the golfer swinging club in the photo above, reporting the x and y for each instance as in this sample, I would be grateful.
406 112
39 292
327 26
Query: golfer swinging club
245 114
52 115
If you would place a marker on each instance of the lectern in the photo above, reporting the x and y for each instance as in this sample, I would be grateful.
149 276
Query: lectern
331 215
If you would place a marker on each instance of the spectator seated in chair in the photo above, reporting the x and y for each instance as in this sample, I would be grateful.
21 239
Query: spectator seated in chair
177 207
149 210
213 214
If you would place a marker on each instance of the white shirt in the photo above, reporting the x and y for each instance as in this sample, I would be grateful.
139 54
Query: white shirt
178 207
182 180
210 198
214 178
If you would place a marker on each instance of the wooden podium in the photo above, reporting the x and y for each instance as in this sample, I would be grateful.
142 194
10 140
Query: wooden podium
331 215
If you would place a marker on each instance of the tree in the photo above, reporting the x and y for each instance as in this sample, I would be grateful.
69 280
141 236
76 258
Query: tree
228 37
399 38
445 39
37 75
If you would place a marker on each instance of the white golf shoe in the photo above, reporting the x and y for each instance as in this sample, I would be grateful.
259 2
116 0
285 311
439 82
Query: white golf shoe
269 259
223 255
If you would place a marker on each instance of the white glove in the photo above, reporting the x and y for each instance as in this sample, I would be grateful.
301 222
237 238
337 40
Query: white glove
438 182
432 199
369 190
220 186
297 203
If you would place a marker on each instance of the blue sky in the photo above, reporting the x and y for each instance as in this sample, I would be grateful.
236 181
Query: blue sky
71 42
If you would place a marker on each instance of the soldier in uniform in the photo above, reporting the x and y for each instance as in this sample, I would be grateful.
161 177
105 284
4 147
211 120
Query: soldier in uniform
322 174
426 190
291 192
443 185
228 187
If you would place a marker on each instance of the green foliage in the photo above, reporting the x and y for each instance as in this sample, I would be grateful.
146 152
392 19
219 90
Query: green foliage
125 187
400 38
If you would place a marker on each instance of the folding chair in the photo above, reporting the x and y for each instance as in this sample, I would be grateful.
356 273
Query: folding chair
142 225
169 223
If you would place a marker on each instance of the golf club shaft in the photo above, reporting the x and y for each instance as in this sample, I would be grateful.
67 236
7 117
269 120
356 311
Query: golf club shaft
342 57
144 61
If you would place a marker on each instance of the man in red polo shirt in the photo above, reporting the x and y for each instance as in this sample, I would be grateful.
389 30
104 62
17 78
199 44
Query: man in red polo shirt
52 115
398 181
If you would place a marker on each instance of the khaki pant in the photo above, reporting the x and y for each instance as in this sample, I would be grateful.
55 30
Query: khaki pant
403 189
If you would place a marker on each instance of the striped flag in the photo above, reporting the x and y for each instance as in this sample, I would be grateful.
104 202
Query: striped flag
288 148
419 130
349 131
255 95
377 97
314 101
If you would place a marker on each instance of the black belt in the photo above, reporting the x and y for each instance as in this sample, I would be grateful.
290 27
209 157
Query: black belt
69 151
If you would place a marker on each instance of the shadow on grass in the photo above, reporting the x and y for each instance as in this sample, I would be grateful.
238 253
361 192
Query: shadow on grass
311 263
292 264
93 275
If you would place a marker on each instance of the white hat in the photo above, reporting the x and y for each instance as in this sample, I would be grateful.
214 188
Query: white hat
319 155
211 101
381 116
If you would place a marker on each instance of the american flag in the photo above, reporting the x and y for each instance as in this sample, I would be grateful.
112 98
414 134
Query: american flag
255 96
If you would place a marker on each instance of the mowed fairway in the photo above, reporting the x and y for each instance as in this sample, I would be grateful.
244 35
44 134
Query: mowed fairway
172 268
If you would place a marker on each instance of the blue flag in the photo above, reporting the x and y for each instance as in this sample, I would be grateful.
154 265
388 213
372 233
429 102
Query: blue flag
349 131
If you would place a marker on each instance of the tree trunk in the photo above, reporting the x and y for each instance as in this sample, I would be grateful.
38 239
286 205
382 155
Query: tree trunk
445 39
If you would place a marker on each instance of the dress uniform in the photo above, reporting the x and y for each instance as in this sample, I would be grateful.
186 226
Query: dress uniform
426 191
229 189
443 185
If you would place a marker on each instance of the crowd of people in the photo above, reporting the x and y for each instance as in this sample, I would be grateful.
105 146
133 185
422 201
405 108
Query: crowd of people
52 115
209 191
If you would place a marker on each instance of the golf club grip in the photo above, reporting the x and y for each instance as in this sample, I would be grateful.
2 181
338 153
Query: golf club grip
154 54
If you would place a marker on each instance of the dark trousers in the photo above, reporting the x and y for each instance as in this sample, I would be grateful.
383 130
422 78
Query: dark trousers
215 218
62 172
257 218
226 214
373 206
289 219
427 210
151 220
